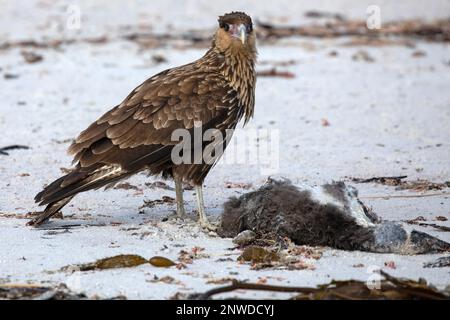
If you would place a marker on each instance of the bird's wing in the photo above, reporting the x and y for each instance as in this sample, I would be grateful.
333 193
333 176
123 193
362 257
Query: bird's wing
143 123
137 134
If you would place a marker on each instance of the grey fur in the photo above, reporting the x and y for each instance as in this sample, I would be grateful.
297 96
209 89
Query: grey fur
280 209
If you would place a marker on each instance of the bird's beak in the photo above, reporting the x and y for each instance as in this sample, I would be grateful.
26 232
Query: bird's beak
242 33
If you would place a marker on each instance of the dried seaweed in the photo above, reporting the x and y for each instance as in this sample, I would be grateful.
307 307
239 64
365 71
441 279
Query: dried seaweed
418 222
166 280
126 186
120 261
439 263
161 262
423 185
282 255
31 57
275 73
320 15
187 257
152 203
257 254
37 292
389 181
363 55
159 185
417 185
3 150
389 288
438 30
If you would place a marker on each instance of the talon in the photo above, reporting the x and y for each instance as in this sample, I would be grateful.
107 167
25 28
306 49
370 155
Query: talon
181 215
208 226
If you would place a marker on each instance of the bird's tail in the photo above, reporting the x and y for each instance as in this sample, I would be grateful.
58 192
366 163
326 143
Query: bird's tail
61 191
49 211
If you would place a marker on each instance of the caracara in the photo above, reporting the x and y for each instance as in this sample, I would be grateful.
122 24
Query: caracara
214 92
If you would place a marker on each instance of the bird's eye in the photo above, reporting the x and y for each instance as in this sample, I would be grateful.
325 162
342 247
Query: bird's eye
249 28
226 27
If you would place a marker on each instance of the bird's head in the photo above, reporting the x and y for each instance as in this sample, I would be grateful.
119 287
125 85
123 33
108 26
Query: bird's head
235 33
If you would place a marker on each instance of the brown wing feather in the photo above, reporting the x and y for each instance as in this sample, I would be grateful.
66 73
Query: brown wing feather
136 134
147 117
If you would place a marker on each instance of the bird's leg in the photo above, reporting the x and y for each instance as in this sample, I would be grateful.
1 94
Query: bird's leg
181 213
201 210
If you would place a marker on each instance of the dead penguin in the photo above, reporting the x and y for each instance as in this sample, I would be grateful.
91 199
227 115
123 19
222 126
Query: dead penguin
329 215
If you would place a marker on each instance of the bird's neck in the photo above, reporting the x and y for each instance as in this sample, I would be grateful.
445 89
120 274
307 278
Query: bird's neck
238 68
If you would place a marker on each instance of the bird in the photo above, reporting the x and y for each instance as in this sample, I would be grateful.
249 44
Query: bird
214 92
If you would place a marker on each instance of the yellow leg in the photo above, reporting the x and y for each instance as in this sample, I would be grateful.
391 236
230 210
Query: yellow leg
203 220
181 213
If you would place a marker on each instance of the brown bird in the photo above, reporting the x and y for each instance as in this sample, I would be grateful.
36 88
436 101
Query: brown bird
215 91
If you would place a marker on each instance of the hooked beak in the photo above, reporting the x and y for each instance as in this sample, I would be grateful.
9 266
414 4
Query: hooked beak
242 33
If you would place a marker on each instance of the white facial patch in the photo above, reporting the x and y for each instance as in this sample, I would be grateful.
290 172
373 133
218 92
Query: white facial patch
347 201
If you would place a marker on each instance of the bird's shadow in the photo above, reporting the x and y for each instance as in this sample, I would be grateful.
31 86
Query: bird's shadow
123 218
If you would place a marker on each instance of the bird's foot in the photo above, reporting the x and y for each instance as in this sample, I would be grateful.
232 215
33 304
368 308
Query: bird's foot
205 224
181 213
182 216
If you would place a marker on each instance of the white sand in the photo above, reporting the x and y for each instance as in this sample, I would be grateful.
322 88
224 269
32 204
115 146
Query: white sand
390 117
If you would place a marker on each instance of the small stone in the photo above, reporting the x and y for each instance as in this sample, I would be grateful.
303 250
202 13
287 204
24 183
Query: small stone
245 237
31 57
256 254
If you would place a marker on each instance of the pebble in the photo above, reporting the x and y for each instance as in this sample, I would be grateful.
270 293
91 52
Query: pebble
245 237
